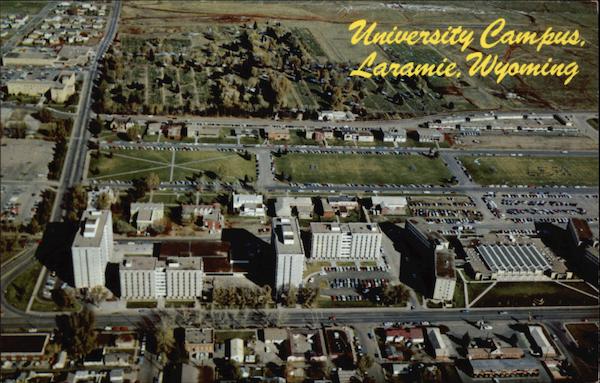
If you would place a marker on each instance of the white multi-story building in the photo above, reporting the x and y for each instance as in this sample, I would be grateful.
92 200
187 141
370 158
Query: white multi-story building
150 278
355 240
248 205
289 252
445 276
92 249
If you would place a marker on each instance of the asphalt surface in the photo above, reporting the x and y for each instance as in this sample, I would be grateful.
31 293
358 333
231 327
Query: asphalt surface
74 165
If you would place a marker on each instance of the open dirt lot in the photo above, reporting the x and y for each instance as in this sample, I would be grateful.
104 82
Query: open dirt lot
25 160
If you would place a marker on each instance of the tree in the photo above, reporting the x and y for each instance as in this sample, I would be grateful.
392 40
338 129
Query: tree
98 294
44 115
104 201
394 295
77 333
307 295
164 339
152 181
364 363
63 298
133 133
75 202
291 297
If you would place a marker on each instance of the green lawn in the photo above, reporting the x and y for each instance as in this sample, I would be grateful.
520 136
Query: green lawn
141 304
313 267
533 170
29 7
519 294
222 336
475 289
50 306
364 169
19 291
179 304
593 123
458 300
131 164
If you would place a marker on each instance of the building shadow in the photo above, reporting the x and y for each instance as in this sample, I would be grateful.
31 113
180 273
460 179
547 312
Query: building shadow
412 270
54 250
253 254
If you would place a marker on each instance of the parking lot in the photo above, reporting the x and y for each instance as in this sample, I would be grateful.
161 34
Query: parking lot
555 207
18 201
451 210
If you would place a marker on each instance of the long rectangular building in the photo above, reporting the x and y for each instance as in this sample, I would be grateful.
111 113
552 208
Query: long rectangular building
150 278
356 240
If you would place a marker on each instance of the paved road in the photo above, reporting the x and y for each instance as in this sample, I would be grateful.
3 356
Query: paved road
351 149
74 165
386 124
314 317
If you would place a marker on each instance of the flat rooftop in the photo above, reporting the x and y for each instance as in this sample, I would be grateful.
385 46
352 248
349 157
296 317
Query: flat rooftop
444 265
286 236
351 227
582 229
512 258
216 257
23 343
91 230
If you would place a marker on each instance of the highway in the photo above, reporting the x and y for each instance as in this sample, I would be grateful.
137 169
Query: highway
74 165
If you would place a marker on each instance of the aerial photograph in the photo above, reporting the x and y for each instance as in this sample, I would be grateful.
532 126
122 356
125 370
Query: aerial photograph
299 191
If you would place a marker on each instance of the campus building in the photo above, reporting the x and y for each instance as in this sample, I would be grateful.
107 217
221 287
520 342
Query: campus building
502 258
444 281
289 252
146 214
439 261
92 249
61 86
248 205
294 206
355 240
151 278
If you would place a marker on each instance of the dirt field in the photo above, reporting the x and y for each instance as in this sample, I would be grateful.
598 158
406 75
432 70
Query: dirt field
25 159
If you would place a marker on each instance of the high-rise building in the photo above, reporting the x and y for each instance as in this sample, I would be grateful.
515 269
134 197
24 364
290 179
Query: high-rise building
92 248
444 276
356 240
439 262
150 278
289 253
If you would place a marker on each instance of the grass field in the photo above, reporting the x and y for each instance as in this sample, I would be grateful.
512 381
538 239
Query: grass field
519 294
19 291
29 7
141 304
533 170
131 164
475 289
593 123
363 169
222 336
